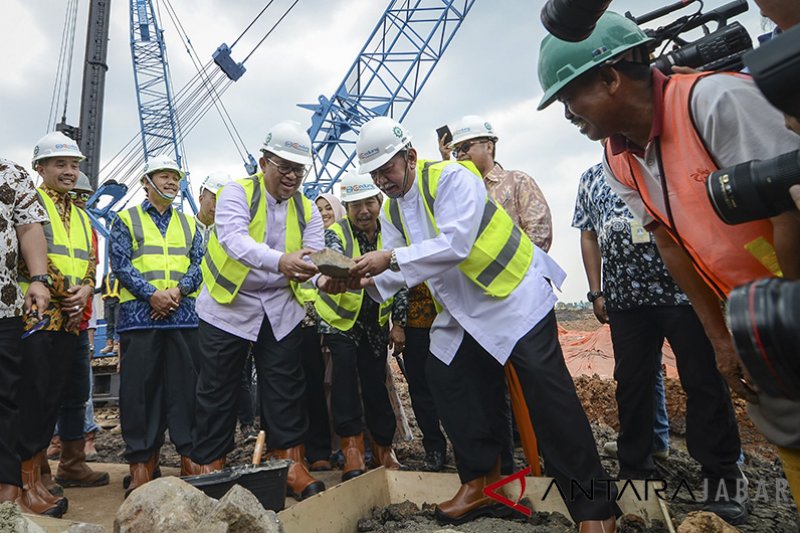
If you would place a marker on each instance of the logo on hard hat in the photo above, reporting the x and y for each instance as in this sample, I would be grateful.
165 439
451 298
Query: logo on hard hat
296 146
35 150
368 153
351 189
398 132
487 126
269 138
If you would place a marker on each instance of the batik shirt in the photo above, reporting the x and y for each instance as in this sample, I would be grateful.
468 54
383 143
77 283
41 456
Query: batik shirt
633 273
19 205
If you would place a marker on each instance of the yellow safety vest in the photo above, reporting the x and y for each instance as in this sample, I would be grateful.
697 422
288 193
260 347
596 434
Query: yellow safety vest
501 254
161 260
68 253
341 310
112 289
224 275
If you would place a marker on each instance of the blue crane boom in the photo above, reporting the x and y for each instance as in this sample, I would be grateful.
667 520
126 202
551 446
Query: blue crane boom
159 126
384 80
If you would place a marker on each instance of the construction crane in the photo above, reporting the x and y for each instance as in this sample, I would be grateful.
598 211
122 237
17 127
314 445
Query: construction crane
385 79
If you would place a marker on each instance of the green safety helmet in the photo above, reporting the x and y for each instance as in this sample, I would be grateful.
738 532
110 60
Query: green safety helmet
561 62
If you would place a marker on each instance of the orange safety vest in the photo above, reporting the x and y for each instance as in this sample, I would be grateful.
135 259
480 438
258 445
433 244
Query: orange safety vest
725 256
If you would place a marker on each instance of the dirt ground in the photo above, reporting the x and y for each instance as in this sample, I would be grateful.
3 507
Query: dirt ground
774 511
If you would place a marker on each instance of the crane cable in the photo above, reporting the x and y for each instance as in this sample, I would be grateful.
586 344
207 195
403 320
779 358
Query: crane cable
64 58
270 30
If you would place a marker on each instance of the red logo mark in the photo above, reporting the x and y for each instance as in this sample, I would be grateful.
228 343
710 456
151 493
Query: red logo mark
490 491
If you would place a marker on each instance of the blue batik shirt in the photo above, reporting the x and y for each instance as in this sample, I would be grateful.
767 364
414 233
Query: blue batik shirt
633 273
135 314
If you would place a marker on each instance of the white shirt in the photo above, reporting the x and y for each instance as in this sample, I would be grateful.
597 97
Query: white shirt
496 324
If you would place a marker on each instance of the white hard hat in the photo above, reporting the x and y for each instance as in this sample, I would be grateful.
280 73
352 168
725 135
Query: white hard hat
470 127
357 187
290 141
215 181
379 140
161 162
55 144
83 183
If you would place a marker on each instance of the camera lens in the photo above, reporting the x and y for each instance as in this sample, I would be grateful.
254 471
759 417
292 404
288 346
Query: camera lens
572 20
763 318
754 190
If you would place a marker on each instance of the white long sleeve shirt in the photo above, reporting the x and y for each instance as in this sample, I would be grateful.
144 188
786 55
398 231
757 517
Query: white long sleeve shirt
496 324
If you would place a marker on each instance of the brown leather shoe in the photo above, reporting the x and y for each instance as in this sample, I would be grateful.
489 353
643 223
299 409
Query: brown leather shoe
89 449
470 502
353 452
213 466
323 465
73 470
47 480
32 496
54 450
609 525
142 473
13 493
384 456
300 484
43 492
189 467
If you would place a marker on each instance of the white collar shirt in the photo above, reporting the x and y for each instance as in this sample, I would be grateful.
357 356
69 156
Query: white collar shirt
496 324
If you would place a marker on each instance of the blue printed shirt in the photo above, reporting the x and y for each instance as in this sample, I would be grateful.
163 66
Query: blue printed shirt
135 314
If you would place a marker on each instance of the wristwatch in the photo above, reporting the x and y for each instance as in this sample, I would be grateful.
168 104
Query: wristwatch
393 266
46 279
594 295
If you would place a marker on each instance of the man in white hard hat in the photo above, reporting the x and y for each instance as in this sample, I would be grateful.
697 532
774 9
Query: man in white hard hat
496 309
75 410
357 332
155 252
254 293
208 202
48 352
474 139
22 219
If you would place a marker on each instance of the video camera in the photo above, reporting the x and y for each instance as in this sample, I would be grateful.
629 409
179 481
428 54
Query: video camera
719 50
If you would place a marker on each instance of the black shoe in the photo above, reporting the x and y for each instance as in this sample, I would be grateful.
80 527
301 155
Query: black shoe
733 512
434 461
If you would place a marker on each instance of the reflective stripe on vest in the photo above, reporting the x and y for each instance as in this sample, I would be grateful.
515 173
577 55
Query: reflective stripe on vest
162 260
723 255
501 254
224 275
68 253
341 310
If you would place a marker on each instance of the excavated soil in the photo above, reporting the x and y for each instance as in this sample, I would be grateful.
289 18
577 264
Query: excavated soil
773 512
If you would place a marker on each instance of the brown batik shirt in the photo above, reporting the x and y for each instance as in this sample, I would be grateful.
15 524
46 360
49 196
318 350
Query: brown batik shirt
18 206
59 318
523 200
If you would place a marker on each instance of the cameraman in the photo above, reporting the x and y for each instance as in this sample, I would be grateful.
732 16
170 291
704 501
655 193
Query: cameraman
666 136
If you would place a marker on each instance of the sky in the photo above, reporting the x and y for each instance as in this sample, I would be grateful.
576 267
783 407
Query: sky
489 70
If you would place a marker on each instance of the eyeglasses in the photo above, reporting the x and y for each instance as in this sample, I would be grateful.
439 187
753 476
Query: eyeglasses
464 147
82 196
299 171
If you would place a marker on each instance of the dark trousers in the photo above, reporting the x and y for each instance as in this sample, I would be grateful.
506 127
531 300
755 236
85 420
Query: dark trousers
712 435
110 313
157 387
72 412
45 360
10 374
416 355
281 386
247 400
470 397
352 363
318 436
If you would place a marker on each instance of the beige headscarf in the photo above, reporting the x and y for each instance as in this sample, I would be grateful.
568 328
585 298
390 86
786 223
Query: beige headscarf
338 209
